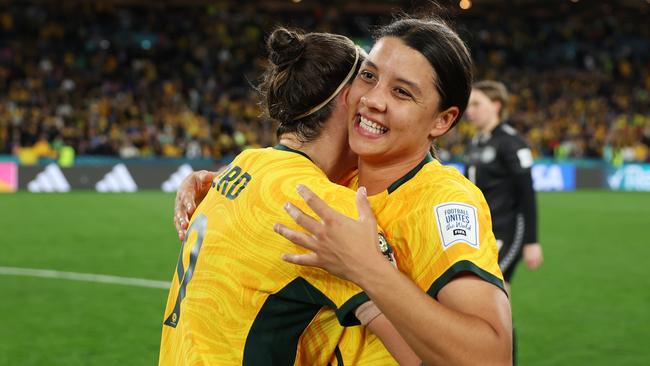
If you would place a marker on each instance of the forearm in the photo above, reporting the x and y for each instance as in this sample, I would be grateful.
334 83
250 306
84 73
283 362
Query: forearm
393 341
437 334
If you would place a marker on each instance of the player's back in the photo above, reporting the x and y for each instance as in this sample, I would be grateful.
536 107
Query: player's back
237 302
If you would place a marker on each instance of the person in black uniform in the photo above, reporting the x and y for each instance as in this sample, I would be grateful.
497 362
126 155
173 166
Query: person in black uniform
499 163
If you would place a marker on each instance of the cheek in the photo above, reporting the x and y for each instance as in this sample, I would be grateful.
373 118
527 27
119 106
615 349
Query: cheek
483 110
356 92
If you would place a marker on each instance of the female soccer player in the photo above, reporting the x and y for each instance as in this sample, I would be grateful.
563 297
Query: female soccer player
411 89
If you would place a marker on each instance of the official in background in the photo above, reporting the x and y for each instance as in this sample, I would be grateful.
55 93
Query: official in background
499 162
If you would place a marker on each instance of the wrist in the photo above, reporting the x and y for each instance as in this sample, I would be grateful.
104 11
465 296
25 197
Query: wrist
372 273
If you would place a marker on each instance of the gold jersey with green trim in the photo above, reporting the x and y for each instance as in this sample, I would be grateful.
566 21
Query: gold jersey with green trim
233 300
439 225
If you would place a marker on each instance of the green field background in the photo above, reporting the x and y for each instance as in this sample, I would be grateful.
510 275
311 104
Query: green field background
588 305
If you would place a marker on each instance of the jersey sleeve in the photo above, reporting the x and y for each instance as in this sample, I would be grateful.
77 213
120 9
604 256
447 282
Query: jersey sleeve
518 158
515 154
460 239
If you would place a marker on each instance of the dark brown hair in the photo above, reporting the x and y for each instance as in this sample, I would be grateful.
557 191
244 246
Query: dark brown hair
445 51
304 70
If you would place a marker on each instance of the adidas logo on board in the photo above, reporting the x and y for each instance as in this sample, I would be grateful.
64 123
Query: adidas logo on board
117 180
49 180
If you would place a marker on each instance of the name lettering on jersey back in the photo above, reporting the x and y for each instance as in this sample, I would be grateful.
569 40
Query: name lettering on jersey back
232 182
457 223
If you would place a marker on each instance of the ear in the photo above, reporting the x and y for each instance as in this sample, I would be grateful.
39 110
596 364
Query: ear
343 95
498 106
443 121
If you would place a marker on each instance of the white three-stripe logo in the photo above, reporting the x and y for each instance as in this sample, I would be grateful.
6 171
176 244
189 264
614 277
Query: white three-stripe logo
174 181
117 180
49 180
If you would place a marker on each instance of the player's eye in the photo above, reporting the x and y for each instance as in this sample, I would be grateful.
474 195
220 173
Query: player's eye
403 93
366 75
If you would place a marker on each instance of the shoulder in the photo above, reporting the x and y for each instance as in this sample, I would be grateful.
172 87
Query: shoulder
274 175
505 132
273 162
437 185
509 142
507 129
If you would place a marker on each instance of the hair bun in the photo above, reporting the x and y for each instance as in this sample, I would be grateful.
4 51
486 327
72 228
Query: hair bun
285 47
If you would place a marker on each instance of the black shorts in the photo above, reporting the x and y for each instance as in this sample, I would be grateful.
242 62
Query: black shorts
511 239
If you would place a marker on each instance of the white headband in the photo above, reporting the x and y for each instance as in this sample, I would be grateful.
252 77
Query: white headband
336 92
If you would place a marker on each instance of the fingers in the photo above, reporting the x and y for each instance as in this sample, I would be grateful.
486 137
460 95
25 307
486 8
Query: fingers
190 207
535 263
316 203
533 256
203 182
182 213
183 210
205 177
363 206
532 264
181 224
309 259
296 237
302 219
189 194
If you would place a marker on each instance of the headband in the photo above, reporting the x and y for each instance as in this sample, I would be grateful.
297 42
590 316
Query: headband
336 92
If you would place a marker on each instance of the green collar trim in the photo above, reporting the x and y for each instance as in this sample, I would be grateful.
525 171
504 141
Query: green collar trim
427 159
287 148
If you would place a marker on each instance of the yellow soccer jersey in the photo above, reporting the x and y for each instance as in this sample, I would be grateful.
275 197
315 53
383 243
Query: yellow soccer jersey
233 301
439 225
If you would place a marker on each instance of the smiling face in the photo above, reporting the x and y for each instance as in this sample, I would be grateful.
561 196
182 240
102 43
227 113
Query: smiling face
393 105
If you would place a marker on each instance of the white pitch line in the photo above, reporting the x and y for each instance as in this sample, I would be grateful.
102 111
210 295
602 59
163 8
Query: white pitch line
87 277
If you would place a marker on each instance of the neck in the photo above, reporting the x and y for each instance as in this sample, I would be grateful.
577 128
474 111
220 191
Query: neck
378 176
491 125
331 153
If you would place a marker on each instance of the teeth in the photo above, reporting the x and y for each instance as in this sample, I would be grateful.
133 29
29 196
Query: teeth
371 126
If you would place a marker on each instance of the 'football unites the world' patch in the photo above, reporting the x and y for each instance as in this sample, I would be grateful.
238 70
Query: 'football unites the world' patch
457 223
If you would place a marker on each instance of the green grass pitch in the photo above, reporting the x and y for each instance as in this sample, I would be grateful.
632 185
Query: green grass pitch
588 305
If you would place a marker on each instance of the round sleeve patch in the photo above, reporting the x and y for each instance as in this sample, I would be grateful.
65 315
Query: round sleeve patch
457 223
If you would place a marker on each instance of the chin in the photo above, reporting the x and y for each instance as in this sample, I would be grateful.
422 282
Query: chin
365 149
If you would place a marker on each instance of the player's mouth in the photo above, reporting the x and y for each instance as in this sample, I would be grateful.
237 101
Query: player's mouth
369 128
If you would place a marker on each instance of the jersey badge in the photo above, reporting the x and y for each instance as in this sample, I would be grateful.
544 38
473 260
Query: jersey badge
488 154
525 157
457 223
387 250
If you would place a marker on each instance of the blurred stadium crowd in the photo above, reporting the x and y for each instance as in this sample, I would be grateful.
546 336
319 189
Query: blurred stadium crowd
140 81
